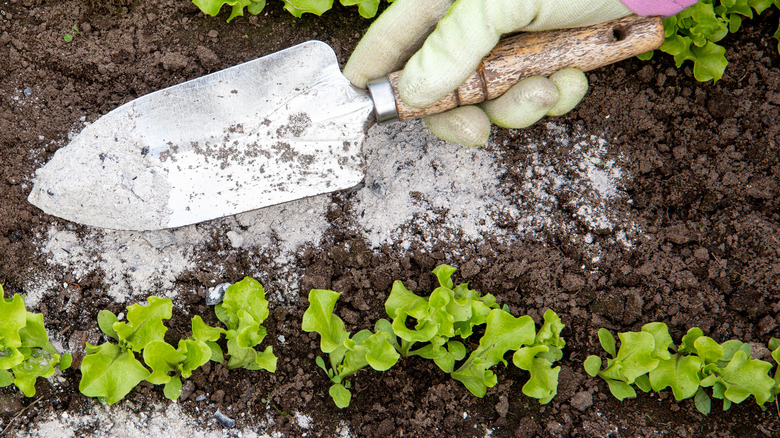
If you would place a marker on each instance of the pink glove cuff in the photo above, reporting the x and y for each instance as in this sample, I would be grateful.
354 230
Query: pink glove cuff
664 8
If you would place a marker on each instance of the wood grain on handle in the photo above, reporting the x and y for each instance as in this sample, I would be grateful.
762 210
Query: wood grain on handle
543 53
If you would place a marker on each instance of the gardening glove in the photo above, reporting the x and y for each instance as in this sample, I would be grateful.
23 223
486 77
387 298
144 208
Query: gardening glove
444 42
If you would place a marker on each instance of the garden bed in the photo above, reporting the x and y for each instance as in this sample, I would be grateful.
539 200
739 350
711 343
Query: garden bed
655 200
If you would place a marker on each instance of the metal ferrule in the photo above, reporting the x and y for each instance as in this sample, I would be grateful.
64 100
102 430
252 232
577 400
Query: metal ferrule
384 100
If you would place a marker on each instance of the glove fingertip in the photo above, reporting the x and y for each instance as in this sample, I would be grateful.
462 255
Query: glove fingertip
467 126
572 86
524 104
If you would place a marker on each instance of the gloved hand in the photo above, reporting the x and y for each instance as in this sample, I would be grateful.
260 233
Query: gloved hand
466 31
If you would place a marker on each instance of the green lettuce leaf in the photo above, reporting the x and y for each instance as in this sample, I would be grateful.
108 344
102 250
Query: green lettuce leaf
620 389
6 378
636 354
443 356
172 389
241 341
543 384
247 295
744 377
144 323
196 354
502 333
340 395
209 336
678 372
109 372
39 363
592 365
13 317
300 7
319 318
106 320
163 359
661 339
380 354
607 342
550 332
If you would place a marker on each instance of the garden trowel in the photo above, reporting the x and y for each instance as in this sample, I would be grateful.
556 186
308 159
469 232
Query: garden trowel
282 127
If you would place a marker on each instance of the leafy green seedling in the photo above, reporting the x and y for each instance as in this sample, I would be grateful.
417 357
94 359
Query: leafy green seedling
347 355
453 312
25 350
538 359
693 34
533 352
243 310
366 8
68 37
429 327
110 371
698 362
449 312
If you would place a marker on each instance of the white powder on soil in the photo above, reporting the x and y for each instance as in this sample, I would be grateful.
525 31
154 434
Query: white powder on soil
415 180
418 189
125 421
421 190
138 264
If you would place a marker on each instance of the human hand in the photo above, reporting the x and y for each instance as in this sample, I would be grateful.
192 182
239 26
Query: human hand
465 31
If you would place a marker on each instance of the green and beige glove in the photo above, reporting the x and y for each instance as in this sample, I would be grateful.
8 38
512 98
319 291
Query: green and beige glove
440 43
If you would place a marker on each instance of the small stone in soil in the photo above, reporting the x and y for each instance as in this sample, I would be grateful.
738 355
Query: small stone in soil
216 294
28 92
159 239
9 404
187 390
224 420
582 400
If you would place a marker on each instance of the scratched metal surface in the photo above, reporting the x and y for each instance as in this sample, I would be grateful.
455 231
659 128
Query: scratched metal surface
275 129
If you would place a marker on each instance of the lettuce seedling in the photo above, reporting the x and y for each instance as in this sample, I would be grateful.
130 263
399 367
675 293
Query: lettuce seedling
243 310
693 34
170 365
533 352
347 355
698 362
454 311
429 328
25 350
538 359
110 371
450 311
366 8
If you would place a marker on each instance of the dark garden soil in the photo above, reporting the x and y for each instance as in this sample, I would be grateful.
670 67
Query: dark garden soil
701 168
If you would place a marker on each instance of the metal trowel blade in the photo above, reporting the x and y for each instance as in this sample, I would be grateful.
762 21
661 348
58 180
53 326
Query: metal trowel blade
282 127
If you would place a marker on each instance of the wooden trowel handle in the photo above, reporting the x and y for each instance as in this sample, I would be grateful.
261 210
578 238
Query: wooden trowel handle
543 53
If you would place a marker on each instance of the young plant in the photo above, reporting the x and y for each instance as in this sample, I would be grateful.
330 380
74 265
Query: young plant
347 355
698 362
110 371
533 352
366 8
68 37
693 34
429 327
452 312
449 312
25 350
243 311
